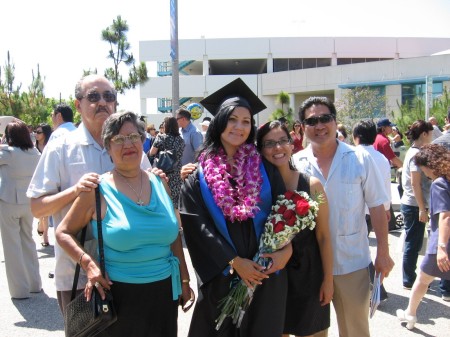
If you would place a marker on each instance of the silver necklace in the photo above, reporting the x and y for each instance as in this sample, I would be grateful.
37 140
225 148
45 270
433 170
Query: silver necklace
139 202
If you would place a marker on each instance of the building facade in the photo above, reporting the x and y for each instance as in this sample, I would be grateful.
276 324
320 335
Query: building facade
301 67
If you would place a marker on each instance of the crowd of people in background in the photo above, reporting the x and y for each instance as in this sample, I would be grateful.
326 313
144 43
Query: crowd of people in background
226 174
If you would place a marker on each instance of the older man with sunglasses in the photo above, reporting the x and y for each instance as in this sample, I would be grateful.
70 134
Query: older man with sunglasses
351 180
72 164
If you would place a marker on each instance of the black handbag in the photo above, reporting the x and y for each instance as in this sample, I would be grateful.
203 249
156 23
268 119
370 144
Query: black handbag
167 161
82 318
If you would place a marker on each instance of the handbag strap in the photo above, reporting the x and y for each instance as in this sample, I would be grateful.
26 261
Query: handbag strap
100 231
100 243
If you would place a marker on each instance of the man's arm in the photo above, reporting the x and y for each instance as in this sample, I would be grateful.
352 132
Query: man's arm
396 162
383 262
50 204
196 140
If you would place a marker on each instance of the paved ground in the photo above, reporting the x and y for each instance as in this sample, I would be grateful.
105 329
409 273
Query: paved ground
39 315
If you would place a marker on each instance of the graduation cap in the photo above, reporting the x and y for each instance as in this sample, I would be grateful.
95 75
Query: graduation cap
235 93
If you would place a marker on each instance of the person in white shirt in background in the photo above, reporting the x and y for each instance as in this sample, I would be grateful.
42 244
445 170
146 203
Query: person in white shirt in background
436 131
364 134
205 124
62 119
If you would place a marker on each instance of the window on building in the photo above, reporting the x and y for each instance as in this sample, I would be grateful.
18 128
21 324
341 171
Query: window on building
309 63
323 62
411 91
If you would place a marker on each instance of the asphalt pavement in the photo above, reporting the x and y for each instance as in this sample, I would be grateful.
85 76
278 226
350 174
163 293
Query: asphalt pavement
40 316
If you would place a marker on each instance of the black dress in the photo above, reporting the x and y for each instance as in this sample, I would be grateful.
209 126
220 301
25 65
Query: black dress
210 253
304 314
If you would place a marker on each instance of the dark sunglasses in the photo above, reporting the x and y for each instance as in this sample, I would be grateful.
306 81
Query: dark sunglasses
39 132
95 96
312 121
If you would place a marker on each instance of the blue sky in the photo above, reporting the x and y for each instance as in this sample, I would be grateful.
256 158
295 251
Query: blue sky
64 37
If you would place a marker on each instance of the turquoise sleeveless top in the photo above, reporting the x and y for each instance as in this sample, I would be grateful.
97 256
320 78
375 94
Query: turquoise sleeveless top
137 238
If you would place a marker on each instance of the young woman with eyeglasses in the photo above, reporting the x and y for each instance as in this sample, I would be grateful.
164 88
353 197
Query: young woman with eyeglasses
297 136
310 274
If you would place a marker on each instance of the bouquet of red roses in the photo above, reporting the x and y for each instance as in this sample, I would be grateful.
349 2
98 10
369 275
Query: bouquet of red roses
292 212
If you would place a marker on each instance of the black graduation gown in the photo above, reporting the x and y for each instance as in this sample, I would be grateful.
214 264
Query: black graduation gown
210 253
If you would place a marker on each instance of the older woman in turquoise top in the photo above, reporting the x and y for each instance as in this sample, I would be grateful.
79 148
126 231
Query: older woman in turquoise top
145 265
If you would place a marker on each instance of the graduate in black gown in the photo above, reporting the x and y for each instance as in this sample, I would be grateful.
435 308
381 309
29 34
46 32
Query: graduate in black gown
310 269
224 205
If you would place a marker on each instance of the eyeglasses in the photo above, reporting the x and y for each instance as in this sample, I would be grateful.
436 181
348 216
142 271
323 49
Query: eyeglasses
178 118
39 132
312 121
269 144
95 96
121 139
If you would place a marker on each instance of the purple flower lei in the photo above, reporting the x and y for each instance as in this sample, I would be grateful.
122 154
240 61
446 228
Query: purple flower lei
240 202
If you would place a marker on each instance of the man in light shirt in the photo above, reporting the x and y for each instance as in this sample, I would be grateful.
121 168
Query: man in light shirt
62 118
351 181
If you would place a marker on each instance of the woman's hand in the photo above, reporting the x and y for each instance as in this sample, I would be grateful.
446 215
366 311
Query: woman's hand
326 292
95 279
279 259
187 297
187 170
249 271
423 216
442 260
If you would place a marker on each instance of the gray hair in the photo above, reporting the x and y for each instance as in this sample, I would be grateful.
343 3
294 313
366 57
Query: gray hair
79 85
113 123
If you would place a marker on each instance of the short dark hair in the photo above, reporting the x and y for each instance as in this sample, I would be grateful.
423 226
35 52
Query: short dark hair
365 131
184 113
114 122
65 111
316 101
18 135
171 126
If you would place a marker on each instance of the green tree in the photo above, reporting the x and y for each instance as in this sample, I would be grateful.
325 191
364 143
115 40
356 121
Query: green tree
283 99
411 112
36 109
116 36
360 103
10 103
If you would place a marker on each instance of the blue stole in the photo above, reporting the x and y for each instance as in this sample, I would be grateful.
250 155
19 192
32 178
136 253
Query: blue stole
259 220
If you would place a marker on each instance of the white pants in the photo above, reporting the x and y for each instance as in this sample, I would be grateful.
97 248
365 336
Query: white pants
19 248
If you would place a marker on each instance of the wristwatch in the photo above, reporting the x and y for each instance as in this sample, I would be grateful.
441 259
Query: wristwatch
442 245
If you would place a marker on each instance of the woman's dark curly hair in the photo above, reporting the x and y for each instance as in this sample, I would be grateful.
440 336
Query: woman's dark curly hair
435 157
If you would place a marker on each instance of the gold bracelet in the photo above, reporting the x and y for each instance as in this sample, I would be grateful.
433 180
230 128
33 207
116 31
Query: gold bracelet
185 281
81 258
